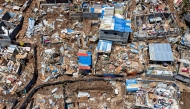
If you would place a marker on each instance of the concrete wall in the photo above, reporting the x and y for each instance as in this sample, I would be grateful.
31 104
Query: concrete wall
144 18
115 36
58 1
91 16
161 76
12 36
8 15
76 16
183 78
5 40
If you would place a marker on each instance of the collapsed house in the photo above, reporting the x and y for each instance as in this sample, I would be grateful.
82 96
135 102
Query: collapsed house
91 12
152 6
152 94
10 25
120 60
12 63
153 26
87 11
183 72
8 32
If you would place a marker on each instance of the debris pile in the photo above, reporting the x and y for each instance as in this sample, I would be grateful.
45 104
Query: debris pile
110 95
122 60
13 67
150 94
76 42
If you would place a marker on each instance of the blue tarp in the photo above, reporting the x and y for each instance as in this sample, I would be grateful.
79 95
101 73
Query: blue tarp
92 10
70 30
86 60
102 14
104 46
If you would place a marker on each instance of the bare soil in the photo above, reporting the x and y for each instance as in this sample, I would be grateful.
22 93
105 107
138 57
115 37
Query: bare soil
19 1
184 102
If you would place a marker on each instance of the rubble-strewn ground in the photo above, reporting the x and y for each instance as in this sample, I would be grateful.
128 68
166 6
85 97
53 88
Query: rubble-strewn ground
61 41
19 1
47 100
123 60
101 94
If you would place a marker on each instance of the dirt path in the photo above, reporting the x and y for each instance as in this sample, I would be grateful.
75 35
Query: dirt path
26 15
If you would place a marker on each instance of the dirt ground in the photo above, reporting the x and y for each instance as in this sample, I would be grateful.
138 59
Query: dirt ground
184 102
45 95
178 20
97 89
81 85
19 1
2 1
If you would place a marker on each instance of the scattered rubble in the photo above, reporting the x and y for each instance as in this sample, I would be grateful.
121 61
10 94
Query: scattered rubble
153 94
51 41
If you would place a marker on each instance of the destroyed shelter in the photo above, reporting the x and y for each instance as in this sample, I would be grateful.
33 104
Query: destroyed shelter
12 64
104 33
183 72
151 6
10 25
151 94
91 12
85 11
120 60
153 26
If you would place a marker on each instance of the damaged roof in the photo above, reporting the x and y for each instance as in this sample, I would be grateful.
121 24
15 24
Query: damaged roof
111 22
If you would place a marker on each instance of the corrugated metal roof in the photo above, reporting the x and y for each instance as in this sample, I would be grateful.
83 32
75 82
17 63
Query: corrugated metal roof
85 60
122 25
160 52
109 22
104 46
